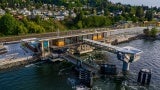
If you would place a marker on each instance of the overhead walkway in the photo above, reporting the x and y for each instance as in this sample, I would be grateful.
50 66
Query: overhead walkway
126 54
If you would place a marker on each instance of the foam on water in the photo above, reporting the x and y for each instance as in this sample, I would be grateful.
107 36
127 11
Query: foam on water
30 65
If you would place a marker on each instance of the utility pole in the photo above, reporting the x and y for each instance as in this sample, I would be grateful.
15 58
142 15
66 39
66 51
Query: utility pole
58 32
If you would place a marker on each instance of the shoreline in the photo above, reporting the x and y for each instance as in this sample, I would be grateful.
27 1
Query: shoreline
15 63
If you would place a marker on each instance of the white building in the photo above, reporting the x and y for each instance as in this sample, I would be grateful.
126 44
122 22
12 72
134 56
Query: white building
25 12
36 12
59 18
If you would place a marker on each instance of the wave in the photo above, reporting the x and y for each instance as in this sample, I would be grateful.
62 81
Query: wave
30 65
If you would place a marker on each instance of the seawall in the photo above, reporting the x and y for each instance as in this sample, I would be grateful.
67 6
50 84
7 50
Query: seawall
114 40
6 64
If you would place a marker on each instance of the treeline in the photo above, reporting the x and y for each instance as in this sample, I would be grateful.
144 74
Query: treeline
82 21
98 4
11 26
98 13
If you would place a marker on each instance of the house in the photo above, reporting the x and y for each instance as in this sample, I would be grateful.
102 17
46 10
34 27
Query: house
49 13
25 12
59 17
158 24
44 17
147 23
36 12
65 13
19 17
73 15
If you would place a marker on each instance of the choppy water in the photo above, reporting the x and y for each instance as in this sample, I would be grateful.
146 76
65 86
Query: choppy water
49 76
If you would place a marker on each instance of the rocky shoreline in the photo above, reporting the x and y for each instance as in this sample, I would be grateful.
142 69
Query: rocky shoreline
16 63
122 39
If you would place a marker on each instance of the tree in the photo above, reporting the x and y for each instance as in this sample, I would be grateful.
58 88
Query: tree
149 15
22 30
33 27
80 16
132 11
118 18
139 12
79 24
106 12
153 32
8 25
150 33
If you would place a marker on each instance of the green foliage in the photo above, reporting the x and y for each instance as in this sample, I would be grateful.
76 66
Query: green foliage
96 21
8 25
79 25
153 32
33 27
149 15
118 18
86 17
139 12
22 30
150 33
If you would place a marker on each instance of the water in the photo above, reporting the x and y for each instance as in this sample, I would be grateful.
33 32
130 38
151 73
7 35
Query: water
34 77
150 59
149 3
49 76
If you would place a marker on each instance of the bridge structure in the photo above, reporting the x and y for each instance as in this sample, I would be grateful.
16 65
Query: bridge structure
68 39
126 54
91 37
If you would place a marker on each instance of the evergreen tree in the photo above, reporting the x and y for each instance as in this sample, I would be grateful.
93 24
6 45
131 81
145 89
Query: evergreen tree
139 12
149 15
